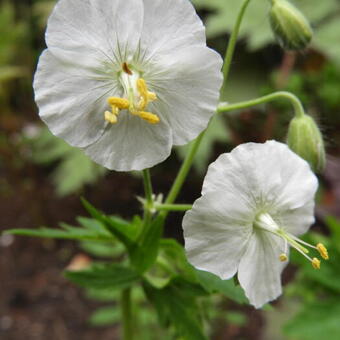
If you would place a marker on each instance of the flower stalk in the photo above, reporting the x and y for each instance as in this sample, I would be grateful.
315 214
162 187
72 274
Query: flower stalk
295 101
184 170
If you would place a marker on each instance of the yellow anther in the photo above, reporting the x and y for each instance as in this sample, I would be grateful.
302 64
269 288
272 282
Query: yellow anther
149 117
146 96
142 88
120 103
152 96
110 117
283 257
322 250
316 263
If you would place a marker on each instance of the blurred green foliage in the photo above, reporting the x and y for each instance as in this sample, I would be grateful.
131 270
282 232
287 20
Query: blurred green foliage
323 15
317 290
72 168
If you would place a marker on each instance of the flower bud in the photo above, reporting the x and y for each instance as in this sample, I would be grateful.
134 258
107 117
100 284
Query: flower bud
305 139
291 28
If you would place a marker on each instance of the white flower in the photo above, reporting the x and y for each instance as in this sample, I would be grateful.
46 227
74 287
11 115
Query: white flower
255 201
127 79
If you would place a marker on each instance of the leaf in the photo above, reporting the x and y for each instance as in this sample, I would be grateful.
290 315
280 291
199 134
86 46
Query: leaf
323 15
105 316
74 169
116 226
111 250
111 276
71 233
174 254
171 263
144 253
316 321
176 305
213 284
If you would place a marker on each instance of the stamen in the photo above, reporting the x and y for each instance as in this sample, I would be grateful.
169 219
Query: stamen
322 250
120 103
146 96
283 257
136 98
110 117
149 117
316 263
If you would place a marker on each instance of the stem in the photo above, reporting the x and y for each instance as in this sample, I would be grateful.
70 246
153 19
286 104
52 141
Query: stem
183 171
172 207
127 314
232 43
148 196
298 108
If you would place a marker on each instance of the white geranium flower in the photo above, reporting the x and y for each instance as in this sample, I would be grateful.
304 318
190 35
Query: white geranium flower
255 201
127 79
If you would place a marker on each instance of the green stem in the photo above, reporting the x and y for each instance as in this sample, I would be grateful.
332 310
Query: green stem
127 314
183 172
148 196
298 108
172 207
232 43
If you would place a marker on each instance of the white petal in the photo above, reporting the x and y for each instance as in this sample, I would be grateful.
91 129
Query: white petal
170 25
131 144
86 31
270 175
216 232
71 100
296 221
187 85
260 269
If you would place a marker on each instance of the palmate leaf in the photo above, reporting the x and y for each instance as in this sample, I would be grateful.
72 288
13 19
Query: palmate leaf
176 305
144 253
323 15
124 231
110 276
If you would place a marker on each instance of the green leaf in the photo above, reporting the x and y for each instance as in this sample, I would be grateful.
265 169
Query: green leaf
111 250
105 316
316 321
111 276
213 284
74 169
323 15
120 228
176 305
144 253
70 234
173 253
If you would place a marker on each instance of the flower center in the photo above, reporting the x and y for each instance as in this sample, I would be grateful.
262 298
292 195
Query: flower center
136 98
265 222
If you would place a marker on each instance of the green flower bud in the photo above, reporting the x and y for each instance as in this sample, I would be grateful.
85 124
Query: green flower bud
291 28
305 139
